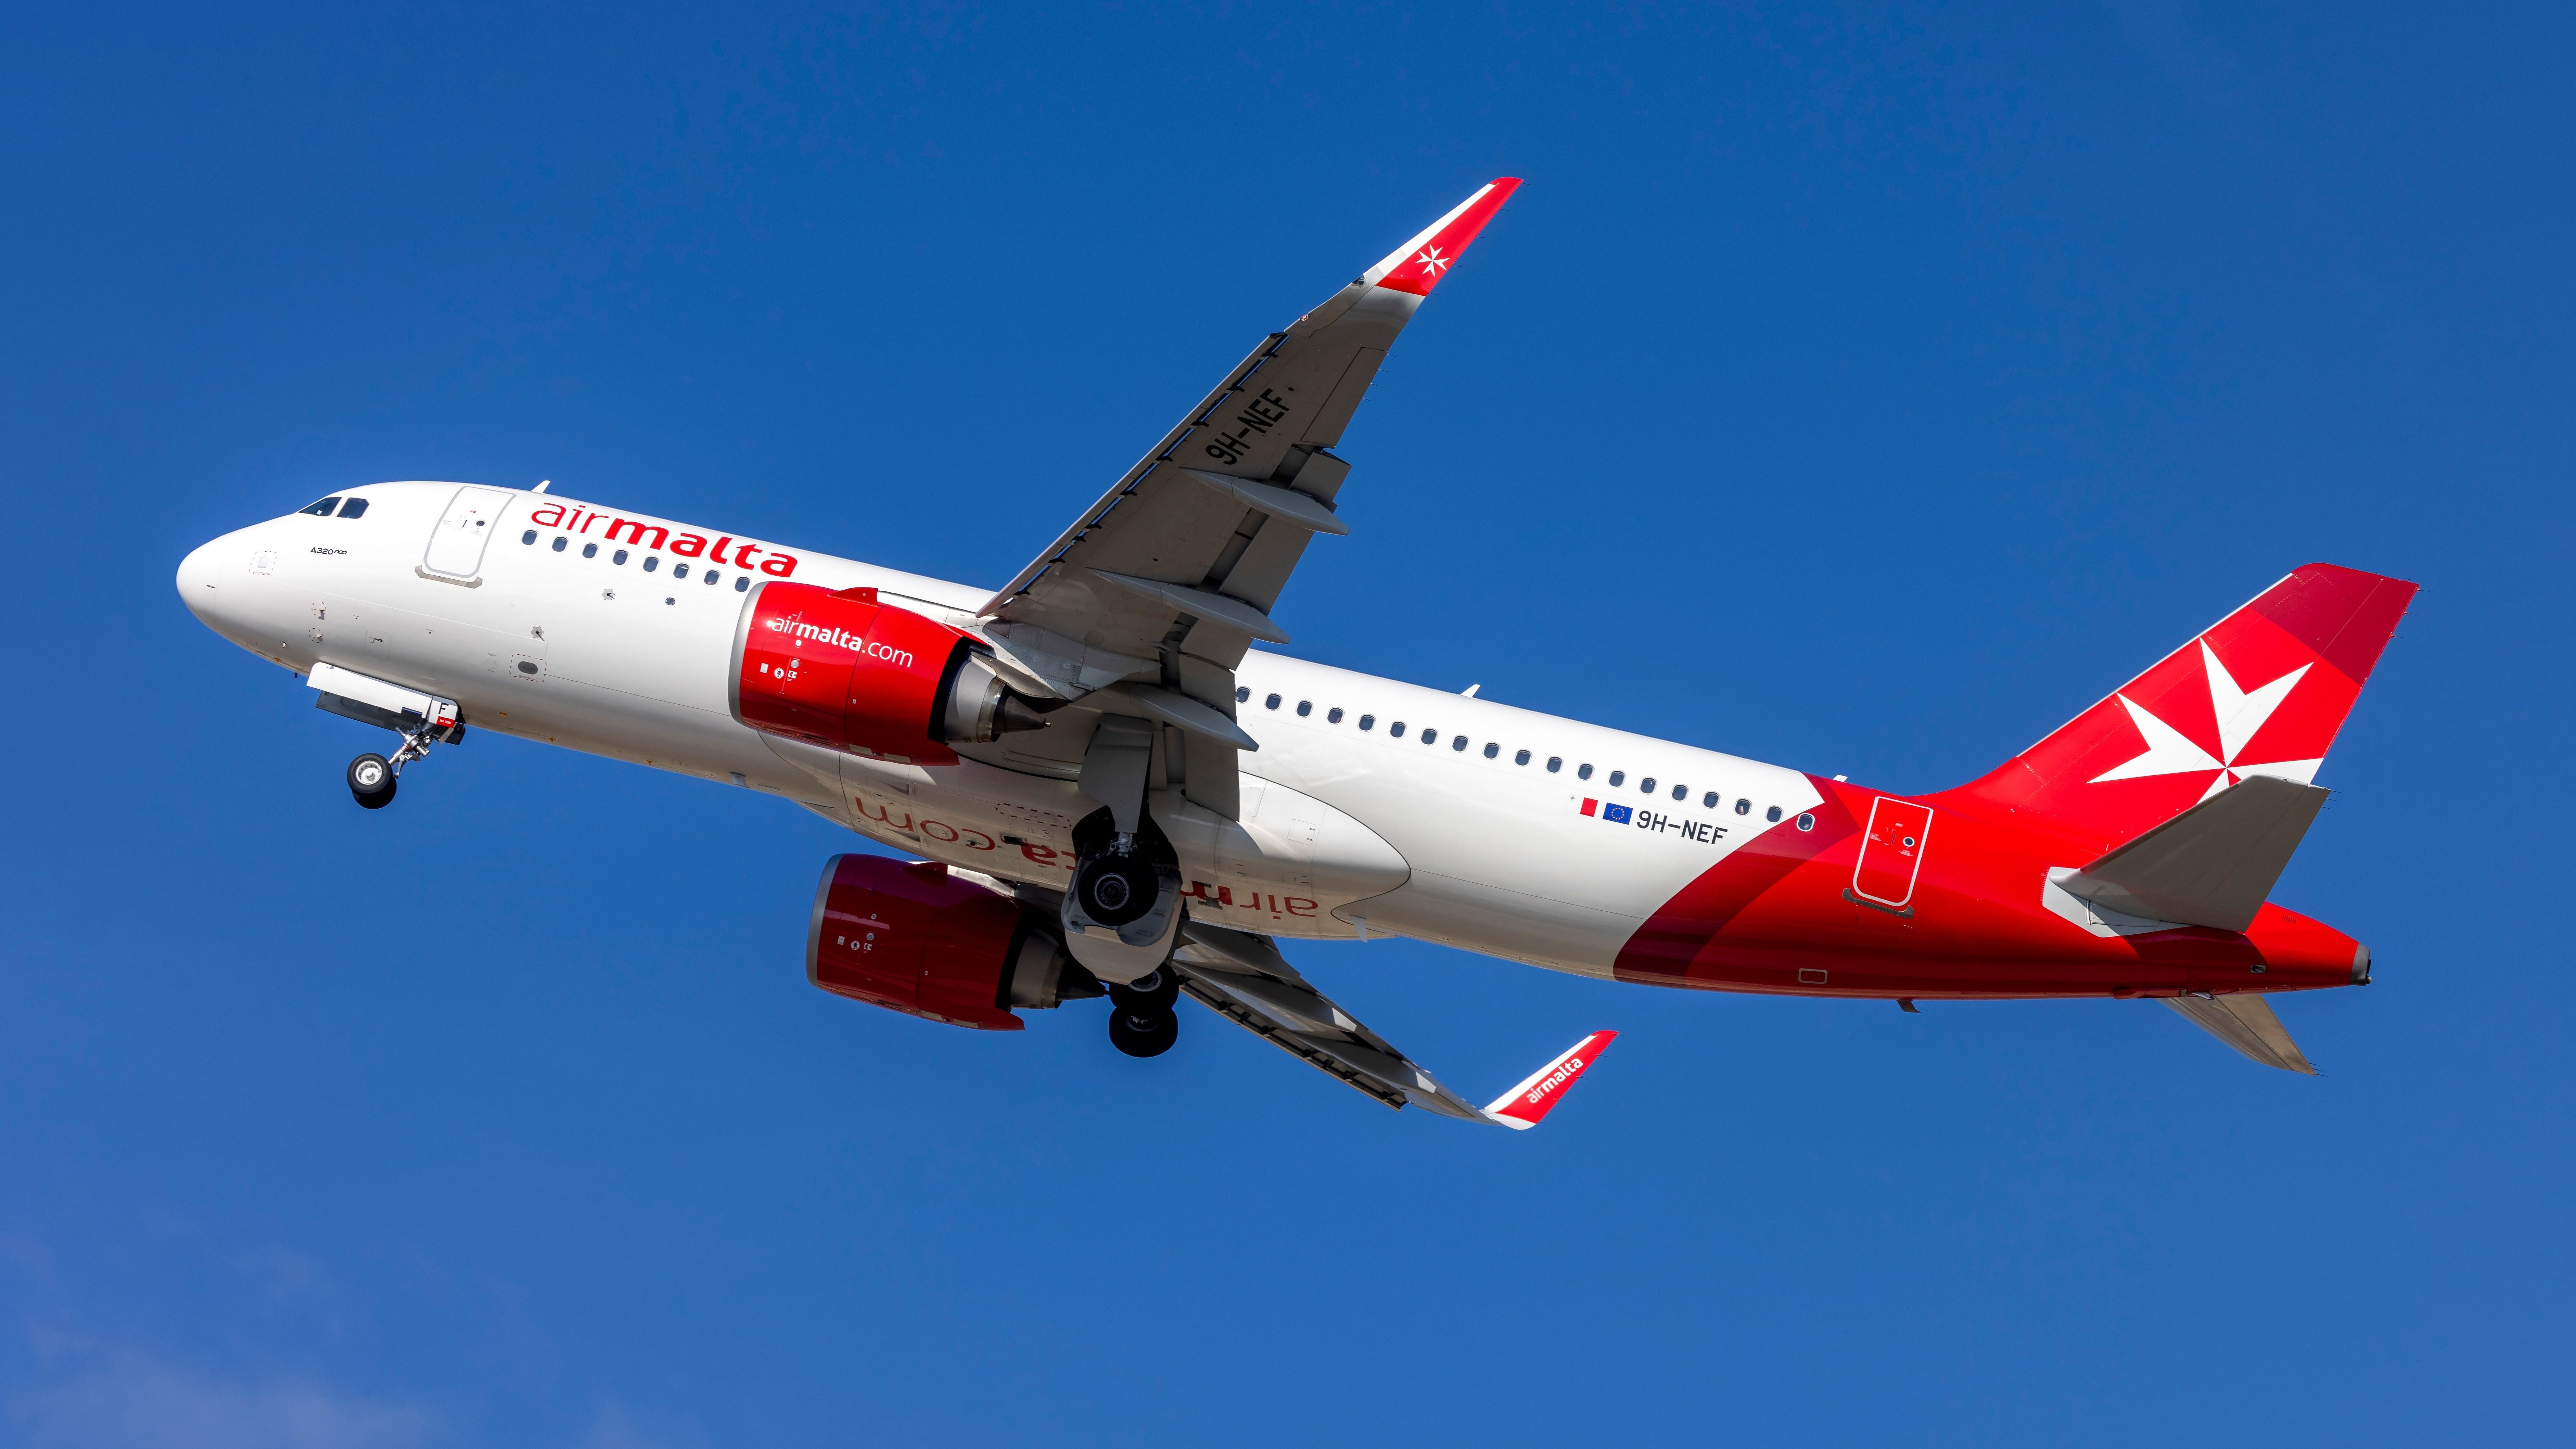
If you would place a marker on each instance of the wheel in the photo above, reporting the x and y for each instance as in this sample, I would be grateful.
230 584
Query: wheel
1142 1033
1114 889
371 780
1154 991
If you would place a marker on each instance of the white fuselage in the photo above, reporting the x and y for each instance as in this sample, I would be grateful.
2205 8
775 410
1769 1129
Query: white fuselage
1344 829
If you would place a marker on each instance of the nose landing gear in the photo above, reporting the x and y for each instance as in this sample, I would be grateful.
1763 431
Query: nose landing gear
372 777
371 780
1141 1020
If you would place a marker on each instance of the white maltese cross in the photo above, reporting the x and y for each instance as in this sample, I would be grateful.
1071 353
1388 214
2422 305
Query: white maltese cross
2241 716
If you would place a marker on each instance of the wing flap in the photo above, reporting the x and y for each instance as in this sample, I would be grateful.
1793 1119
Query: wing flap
1243 978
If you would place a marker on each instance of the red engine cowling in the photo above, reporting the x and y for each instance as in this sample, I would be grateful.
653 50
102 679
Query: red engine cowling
927 943
845 671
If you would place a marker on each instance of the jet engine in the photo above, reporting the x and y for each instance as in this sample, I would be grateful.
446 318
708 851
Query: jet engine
848 672
929 942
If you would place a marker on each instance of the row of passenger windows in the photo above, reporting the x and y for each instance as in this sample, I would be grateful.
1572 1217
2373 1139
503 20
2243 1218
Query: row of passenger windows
1648 785
652 561
353 508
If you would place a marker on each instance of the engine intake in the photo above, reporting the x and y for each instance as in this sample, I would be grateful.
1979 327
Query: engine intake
846 671
920 939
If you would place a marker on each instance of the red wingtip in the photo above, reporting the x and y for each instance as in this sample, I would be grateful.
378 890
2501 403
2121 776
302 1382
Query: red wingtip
1540 1091
1418 265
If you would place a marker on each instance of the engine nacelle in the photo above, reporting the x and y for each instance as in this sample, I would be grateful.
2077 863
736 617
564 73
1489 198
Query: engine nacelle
929 943
848 672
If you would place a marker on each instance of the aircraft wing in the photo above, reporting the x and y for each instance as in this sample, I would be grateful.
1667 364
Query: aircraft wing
1243 978
1165 581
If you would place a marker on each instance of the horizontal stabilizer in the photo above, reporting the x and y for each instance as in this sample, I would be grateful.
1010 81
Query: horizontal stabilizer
2212 865
2246 1023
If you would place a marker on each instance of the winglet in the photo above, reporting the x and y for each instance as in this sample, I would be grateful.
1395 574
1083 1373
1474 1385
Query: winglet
1418 265
1521 1108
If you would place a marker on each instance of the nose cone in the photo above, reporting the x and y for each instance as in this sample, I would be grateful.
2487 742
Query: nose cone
197 582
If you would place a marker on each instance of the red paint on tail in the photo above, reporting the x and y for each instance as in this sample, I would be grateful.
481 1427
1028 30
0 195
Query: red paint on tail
2261 692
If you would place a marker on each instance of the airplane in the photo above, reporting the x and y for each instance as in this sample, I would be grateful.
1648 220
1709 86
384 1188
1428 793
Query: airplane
1101 787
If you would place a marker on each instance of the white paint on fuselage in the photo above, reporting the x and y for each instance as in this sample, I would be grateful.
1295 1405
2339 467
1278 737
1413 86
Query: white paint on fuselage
1492 855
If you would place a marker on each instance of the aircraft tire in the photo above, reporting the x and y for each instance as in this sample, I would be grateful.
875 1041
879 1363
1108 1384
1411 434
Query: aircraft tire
1142 1033
371 781
1115 889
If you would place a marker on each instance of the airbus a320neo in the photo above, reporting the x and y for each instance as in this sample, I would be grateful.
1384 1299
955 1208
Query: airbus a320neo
1101 786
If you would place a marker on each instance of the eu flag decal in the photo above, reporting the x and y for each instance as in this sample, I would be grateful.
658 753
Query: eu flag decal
1617 814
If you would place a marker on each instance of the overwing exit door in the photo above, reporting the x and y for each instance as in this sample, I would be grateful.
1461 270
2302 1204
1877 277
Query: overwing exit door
456 544
1891 854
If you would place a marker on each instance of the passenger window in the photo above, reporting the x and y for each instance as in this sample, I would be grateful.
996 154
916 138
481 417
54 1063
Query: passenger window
528 537
1583 772
1243 694
712 577
652 561
1743 807
1521 759
1681 792
1618 777
354 508
1368 721
742 583
1806 822
1458 743
560 541
679 571
323 508
1431 737
1708 801
1305 707
1395 731
1333 716
618 557
1555 763
1271 703
590 550
1772 815
1492 749
1647 784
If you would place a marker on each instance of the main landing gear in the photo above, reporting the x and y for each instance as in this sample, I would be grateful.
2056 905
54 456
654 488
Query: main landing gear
1116 888
1142 1022
372 777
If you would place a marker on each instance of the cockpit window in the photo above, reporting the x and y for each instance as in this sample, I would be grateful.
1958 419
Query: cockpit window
354 508
323 508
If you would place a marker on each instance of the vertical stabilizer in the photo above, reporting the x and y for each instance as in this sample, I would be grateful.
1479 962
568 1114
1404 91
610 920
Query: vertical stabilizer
2261 692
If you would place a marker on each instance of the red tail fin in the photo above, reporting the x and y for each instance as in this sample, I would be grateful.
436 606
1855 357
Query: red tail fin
2261 692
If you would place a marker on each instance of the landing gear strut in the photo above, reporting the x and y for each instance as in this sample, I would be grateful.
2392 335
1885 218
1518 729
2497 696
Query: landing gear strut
1141 1020
372 777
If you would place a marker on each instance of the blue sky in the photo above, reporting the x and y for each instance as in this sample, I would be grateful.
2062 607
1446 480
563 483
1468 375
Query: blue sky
1864 390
